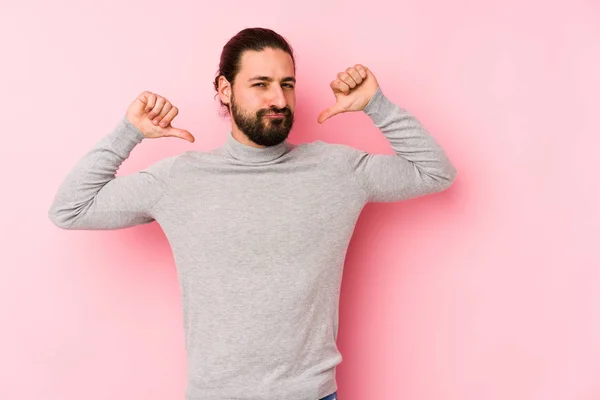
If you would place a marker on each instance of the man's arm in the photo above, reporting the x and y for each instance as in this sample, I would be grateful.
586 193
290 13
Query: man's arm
419 167
91 197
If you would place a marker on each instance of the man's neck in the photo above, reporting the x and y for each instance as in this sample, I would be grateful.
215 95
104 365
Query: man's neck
242 138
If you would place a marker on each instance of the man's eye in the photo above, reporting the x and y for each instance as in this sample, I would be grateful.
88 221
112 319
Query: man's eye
285 84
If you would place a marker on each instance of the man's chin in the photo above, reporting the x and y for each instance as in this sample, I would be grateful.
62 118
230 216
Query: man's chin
280 139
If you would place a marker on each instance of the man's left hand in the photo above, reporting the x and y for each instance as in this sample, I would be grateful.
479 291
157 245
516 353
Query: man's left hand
352 89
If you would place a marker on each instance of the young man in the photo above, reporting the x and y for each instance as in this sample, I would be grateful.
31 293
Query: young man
259 227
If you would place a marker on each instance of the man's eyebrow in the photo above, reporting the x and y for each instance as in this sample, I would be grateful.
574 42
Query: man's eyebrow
269 79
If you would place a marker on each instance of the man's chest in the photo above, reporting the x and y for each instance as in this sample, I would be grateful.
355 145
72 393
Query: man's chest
264 211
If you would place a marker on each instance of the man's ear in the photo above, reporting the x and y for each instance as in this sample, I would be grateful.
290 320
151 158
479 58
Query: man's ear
224 90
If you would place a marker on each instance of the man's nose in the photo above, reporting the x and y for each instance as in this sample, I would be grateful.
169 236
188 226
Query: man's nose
277 99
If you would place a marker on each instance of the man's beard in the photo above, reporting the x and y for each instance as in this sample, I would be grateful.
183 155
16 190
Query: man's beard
263 131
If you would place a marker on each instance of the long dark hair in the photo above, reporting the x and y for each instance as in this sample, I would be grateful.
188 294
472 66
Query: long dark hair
256 39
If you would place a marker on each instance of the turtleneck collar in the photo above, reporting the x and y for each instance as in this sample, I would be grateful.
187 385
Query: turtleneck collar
246 153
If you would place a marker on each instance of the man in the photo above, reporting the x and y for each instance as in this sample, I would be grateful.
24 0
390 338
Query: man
259 227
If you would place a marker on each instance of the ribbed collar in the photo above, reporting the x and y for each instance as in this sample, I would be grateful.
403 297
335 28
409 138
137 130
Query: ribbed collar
246 153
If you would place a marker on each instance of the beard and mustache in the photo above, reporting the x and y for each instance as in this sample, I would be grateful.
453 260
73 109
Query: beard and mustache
262 130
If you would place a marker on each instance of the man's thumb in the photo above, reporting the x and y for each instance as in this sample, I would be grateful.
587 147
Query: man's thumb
328 113
180 133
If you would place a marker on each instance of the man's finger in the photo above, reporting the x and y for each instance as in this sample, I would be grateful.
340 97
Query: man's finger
339 86
150 99
362 70
160 102
353 72
169 117
180 133
347 79
328 113
166 108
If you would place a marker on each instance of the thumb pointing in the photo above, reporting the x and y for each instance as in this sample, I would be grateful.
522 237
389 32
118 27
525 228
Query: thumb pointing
328 113
180 133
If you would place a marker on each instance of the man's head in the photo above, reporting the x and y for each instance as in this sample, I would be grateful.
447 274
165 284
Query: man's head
256 85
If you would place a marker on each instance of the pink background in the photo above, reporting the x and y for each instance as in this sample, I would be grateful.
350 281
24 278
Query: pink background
490 290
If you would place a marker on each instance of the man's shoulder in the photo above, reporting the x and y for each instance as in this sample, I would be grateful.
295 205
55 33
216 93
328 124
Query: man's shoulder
325 148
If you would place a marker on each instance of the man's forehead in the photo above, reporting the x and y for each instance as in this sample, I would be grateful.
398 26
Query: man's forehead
273 63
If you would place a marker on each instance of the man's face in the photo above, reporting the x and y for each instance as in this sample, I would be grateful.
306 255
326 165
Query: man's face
263 96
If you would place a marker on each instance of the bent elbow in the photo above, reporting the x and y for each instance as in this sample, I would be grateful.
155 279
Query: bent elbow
449 177
61 216
58 219
443 180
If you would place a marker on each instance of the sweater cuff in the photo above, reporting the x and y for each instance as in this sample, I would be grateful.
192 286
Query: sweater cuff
379 107
126 136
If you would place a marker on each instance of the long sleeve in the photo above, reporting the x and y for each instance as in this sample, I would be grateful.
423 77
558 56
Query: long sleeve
419 167
92 197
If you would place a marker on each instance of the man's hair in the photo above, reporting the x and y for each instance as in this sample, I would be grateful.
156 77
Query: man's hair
256 39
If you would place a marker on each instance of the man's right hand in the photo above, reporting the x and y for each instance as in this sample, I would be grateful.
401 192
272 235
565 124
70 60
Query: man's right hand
152 115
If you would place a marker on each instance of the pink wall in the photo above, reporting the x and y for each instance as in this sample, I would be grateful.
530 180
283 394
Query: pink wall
490 290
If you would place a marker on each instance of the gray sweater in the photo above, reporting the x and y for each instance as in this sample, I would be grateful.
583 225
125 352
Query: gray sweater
259 238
